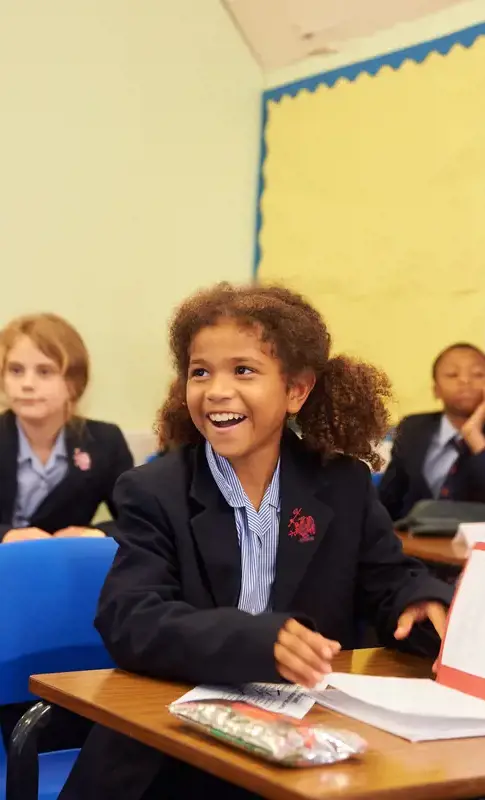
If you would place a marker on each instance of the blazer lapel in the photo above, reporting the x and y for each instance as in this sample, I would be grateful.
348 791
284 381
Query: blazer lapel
74 480
419 449
304 519
215 534
8 466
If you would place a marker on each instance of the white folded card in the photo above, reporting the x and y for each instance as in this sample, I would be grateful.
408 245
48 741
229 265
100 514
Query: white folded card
470 533
451 707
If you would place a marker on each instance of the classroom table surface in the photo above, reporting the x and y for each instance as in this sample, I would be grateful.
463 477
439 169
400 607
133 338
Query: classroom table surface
391 768
434 549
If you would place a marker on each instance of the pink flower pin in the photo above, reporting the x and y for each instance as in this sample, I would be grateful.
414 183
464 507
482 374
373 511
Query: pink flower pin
302 527
82 460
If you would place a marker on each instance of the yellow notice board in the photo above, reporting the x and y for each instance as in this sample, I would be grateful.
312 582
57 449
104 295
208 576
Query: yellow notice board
373 205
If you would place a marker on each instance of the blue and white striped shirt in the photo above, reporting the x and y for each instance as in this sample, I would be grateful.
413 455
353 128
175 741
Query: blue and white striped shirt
34 479
257 532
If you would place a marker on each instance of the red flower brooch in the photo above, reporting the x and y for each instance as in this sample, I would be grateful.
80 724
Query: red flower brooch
301 526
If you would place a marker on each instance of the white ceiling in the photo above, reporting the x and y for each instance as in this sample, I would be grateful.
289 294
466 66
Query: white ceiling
282 32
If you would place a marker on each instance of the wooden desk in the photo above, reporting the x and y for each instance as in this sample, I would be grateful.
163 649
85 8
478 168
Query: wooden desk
434 549
392 768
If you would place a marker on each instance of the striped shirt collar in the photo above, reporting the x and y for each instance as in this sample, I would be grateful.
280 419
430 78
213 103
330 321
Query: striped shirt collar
230 486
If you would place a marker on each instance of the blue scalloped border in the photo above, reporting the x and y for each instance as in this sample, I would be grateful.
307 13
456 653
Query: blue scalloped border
417 53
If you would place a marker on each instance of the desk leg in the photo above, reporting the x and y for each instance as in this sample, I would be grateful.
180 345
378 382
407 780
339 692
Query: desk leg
22 759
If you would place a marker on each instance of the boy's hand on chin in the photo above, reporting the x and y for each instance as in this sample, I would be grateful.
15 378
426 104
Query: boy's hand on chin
303 656
472 430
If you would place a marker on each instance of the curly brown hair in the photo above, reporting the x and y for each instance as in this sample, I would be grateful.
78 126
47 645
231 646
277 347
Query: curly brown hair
346 411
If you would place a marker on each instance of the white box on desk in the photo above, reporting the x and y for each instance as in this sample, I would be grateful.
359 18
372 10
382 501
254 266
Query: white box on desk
470 533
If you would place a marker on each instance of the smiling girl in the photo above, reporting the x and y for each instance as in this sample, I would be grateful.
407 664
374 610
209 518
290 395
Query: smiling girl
247 553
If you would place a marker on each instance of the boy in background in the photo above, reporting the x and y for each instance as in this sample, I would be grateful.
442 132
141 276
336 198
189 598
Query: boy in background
441 455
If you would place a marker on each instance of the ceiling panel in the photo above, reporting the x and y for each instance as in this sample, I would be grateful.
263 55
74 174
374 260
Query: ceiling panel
281 32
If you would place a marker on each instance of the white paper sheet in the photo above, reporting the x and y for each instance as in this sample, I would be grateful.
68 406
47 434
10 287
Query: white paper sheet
418 696
413 727
415 709
464 646
284 698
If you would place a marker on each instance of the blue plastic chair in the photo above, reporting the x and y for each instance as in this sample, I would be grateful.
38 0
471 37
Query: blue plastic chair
153 456
48 596
376 478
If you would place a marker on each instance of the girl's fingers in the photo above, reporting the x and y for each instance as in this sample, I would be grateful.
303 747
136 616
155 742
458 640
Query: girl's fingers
302 650
288 661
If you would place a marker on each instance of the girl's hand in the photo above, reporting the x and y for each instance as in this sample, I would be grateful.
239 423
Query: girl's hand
25 535
73 531
303 656
433 610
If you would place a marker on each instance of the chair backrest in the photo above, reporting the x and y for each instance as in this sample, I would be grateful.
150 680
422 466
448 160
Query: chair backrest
48 596
153 456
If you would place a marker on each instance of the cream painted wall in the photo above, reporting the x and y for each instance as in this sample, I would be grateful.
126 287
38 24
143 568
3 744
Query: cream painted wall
129 137
462 15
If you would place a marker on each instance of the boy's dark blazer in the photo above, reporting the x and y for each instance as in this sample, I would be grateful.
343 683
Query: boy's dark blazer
169 605
75 499
403 483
